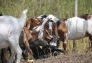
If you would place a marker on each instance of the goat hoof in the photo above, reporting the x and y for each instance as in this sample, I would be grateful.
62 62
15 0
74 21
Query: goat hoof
30 61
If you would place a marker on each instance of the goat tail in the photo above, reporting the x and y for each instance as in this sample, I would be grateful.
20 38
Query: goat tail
25 11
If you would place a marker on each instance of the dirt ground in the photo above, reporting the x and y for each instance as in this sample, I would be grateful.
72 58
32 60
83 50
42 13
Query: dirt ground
71 58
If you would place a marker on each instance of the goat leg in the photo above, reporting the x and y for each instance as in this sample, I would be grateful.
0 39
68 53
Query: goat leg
27 45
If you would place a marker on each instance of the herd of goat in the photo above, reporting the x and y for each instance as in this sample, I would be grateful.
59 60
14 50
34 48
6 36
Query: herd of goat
39 36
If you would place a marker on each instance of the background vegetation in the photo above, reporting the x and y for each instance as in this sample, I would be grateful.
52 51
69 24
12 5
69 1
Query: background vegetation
59 8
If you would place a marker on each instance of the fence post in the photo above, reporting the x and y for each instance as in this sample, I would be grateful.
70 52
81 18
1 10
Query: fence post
76 8
75 14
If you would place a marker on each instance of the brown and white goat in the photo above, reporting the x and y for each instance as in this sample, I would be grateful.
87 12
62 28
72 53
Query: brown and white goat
74 28
32 35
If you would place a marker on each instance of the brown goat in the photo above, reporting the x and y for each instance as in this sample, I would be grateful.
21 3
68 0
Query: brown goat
32 35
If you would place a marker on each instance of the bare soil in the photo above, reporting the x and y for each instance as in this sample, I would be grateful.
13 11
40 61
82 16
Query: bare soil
71 58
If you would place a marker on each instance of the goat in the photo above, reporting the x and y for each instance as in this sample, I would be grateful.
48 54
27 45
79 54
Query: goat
30 34
52 19
53 45
85 16
34 35
31 23
74 28
11 28
3 56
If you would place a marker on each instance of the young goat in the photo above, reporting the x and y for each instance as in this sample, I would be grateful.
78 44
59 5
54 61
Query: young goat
10 30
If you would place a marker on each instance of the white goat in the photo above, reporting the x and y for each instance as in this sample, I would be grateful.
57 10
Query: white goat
10 29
